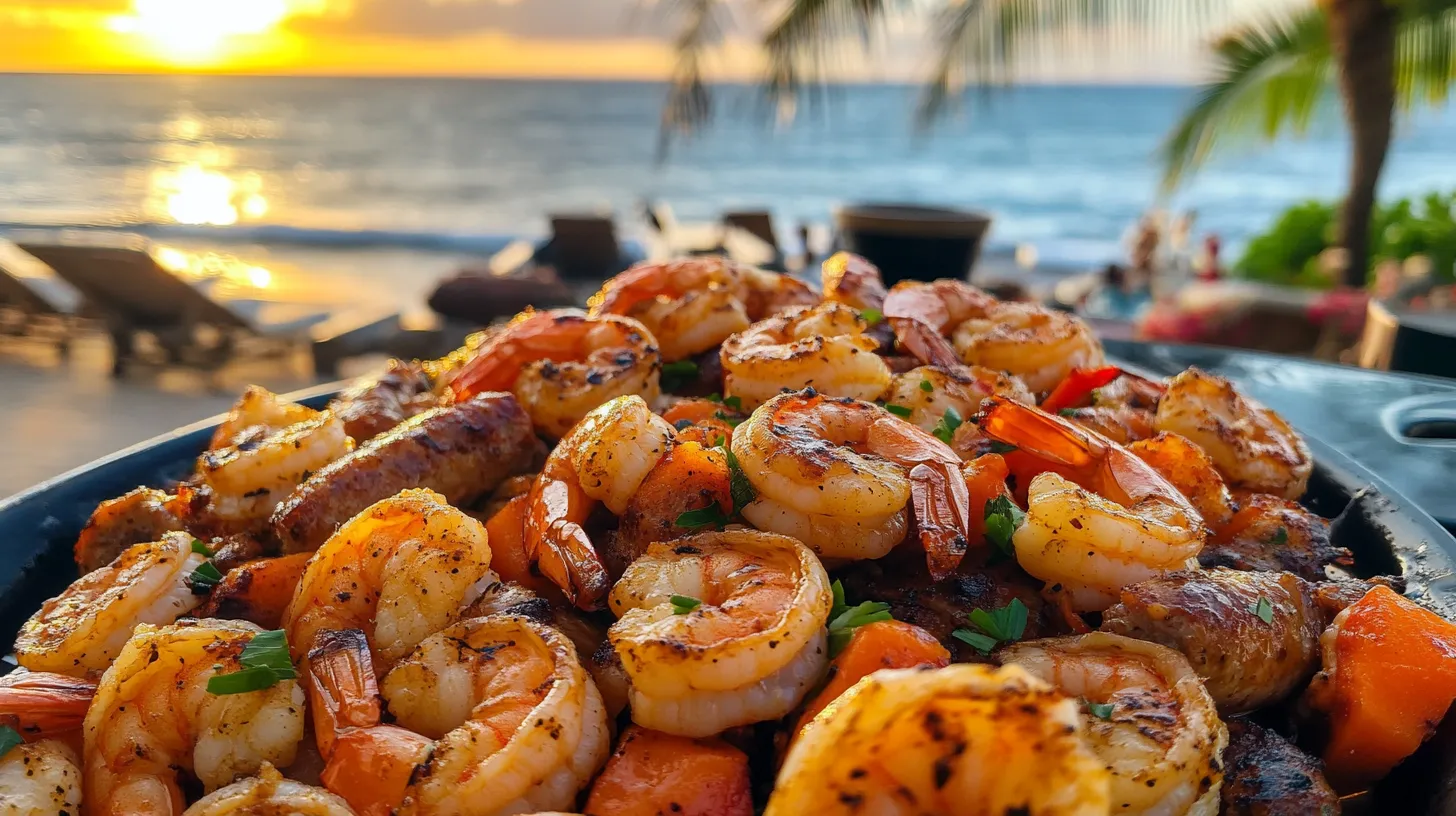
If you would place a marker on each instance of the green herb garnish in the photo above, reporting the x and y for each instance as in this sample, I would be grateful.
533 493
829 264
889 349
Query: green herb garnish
265 662
1004 625
200 548
736 403
1280 538
678 373
719 441
899 410
872 316
946 428
9 738
738 484
1264 610
733 421
926 386
1068 412
1000 447
844 619
206 576
1003 518
682 604
1102 711
711 515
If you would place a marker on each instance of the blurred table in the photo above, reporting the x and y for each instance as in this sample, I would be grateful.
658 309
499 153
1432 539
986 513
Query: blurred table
1401 426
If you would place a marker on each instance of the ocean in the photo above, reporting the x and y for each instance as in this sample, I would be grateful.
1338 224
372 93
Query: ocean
390 183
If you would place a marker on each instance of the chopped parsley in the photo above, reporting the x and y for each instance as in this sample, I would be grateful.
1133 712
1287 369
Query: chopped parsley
872 316
1003 518
201 549
1067 412
736 403
1264 609
712 515
265 662
680 373
899 410
1280 537
733 421
1102 711
946 428
926 386
1004 625
844 619
719 441
738 484
205 577
9 738
683 604
999 447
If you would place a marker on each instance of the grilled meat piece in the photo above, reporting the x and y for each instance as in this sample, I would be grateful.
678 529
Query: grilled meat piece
463 452
1264 775
137 517
373 407
1274 535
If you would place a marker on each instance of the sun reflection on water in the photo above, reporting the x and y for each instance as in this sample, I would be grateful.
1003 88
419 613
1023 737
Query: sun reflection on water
193 194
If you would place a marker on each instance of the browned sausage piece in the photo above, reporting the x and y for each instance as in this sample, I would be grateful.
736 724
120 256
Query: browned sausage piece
1217 619
1264 775
137 517
462 451
375 406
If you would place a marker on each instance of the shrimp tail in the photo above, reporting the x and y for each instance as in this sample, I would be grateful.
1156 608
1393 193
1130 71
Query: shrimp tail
1038 433
941 499
567 557
44 704
371 768
343 690
925 343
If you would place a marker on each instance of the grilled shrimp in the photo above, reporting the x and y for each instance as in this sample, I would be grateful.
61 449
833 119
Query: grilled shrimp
1119 423
258 409
853 281
1162 740
44 704
1100 518
1188 468
561 364
142 515
1037 344
40 779
81 630
693 304
838 474
963 740
399 571
940 306
824 347
154 719
930 391
494 715
269 794
1213 617
249 479
604 459
1252 446
748 652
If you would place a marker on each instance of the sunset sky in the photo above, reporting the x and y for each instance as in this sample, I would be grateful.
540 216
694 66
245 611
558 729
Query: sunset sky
563 38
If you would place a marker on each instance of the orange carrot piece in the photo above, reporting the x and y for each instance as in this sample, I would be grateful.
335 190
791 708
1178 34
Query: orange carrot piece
882 645
1393 680
258 591
986 480
706 416
653 773
507 534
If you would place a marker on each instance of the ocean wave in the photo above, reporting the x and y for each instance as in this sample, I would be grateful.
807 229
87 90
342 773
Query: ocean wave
278 234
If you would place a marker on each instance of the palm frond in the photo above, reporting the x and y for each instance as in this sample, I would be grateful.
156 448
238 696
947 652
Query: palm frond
804 31
689 103
1425 53
981 42
1270 78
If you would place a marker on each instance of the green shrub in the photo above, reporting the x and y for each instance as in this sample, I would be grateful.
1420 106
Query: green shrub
1289 252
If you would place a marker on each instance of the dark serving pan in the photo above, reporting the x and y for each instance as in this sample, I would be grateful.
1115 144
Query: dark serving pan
1388 534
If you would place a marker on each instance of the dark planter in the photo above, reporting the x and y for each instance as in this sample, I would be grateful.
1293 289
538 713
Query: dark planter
907 241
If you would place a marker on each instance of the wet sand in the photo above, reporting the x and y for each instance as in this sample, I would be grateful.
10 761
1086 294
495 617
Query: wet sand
57 415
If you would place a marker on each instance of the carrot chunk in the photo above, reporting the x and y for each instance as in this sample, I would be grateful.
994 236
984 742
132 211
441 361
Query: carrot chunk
884 645
652 773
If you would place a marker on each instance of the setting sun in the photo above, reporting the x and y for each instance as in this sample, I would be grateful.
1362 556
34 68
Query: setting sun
198 31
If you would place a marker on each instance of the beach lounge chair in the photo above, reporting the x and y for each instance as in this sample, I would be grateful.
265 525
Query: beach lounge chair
33 302
583 248
125 286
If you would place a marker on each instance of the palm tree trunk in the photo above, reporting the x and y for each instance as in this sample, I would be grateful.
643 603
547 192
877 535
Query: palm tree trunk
1362 33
